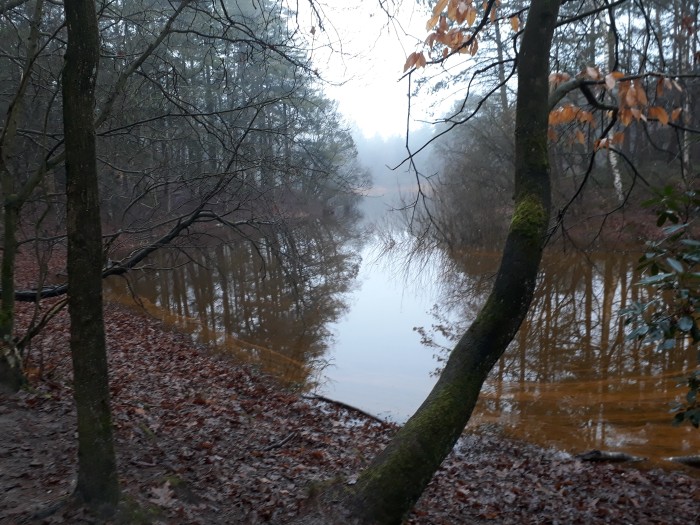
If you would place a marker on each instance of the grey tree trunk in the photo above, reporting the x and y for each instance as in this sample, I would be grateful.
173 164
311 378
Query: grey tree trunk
97 470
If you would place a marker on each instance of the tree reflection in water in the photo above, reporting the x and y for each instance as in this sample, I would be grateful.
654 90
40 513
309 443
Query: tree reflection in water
266 299
570 379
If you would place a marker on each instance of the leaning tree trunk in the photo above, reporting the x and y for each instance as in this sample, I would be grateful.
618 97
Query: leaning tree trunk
390 486
97 473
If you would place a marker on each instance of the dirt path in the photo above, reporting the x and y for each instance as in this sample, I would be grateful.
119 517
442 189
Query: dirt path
201 440
37 455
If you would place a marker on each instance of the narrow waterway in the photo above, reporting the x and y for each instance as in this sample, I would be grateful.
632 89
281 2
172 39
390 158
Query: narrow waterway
569 380
377 361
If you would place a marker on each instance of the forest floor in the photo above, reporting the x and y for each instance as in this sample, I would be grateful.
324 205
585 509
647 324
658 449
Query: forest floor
203 440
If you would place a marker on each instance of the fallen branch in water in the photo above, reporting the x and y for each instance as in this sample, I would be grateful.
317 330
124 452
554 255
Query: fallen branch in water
611 457
691 461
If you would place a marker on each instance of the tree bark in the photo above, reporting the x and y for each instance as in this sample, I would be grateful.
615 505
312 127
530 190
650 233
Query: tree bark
97 482
386 491
11 374
14 195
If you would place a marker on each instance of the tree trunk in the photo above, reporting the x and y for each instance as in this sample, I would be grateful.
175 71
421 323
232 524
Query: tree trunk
11 374
386 491
97 473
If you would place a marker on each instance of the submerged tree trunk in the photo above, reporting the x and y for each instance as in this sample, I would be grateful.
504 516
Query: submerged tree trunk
97 473
390 486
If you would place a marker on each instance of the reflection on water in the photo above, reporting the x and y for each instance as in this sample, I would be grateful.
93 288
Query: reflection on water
263 304
569 379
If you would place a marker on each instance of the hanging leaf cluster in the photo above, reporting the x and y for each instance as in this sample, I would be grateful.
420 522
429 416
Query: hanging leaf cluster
451 27
570 114
629 98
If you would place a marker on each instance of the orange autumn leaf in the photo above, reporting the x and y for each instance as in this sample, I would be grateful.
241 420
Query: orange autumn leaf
659 114
453 12
660 87
439 7
430 24
410 61
416 60
460 11
623 87
611 78
455 38
568 113
640 93
515 23
586 117
470 15
637 114
625 116
558 78
473 47
563 115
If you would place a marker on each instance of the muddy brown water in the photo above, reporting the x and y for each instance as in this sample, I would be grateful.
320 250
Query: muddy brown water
570 380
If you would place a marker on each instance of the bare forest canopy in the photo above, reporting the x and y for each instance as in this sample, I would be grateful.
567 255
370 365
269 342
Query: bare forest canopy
623 85
206 114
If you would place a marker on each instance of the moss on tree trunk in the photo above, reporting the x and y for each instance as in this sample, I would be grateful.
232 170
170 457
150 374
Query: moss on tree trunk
390 486
97 473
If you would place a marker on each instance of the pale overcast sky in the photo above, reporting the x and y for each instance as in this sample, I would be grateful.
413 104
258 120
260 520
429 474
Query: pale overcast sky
374 50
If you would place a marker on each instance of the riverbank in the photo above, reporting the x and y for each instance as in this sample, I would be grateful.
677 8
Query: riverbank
201 439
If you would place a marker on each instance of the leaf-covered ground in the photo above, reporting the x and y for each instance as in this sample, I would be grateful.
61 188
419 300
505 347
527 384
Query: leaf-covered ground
202 440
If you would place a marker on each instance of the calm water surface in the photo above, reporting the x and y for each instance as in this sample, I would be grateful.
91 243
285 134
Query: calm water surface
569 380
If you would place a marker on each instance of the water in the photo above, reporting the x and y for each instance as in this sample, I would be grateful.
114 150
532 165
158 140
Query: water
569 379
377 362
